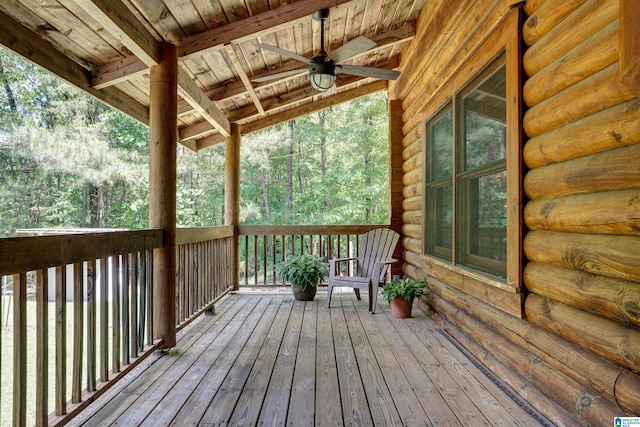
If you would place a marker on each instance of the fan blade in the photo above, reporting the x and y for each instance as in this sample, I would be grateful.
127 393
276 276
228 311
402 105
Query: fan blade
377 73
280 75
351 49
284 52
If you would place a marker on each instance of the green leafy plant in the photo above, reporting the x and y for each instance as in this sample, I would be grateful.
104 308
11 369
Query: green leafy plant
302 270
406 288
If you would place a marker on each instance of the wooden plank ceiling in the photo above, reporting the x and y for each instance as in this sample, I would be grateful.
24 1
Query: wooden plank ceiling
106 47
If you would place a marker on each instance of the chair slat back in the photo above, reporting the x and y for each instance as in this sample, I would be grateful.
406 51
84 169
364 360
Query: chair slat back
376 245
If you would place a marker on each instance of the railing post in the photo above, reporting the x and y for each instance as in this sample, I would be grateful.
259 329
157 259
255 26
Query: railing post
162 190
232 192
395 178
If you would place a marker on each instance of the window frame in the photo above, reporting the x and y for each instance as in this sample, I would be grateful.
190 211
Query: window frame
504 293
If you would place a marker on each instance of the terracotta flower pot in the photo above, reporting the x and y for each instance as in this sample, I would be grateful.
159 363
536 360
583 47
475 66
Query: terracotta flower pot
308 294
401 308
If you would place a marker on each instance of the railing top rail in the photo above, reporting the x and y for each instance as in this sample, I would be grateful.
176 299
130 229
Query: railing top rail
202 234
277 230
22 254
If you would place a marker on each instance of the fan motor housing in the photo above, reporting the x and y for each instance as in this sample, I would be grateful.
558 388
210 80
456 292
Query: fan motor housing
320 66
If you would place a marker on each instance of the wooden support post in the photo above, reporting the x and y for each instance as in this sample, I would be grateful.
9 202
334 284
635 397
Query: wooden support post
162 190
395 177
232 193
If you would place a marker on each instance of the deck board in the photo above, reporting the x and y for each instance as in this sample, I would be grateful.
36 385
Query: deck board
265 359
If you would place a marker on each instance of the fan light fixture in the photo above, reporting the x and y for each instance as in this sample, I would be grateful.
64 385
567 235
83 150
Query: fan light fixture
322 75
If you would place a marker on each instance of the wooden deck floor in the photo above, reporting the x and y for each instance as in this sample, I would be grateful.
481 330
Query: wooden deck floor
270 360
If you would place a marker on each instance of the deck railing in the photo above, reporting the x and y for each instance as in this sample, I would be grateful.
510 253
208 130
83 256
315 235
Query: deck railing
77 312
203 269
262 247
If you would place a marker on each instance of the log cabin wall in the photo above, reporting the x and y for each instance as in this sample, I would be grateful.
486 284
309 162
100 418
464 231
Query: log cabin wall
572 347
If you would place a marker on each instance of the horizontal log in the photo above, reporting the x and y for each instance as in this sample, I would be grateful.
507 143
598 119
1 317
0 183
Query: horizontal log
611 128
412 190
595 54
413 135
596 93
615 299
412 150
611 256
627 395
546 17
609 212
415 176
584 22
412 163
412 217
412 263
605 337
413 245
530 6
610 170
551 410
22 254
584 404
413 231
588 369
412 204
202 234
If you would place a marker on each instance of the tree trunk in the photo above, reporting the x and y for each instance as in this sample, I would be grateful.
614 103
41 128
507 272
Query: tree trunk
323 153
290 166
7 88
367 166
265 196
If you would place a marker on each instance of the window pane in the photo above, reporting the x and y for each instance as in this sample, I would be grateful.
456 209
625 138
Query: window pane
442 148
444 214
485 122
440 226
486 223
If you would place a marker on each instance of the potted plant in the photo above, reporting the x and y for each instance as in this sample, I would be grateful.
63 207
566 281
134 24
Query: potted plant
303 272
400 294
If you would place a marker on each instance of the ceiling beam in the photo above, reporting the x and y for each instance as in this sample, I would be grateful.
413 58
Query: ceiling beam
199 129
243 77
40 52
255 26
308 108
234 89
196 97
118 72
118 20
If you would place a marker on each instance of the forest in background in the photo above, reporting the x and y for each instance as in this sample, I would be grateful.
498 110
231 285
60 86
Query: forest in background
67 160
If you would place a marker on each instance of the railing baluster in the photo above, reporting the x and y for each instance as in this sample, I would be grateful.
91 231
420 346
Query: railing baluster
61 340
255 260
149 255
133 304
104 319
91 325
142 299
20 349
42 348
78 333
125 309
116 266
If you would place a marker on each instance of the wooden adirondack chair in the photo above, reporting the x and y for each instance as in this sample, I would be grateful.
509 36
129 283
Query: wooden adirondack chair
376 251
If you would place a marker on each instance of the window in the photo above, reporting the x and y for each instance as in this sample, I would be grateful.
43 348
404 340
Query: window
466 175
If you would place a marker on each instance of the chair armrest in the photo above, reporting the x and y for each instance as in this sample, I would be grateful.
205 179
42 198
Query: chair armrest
334 260
387 261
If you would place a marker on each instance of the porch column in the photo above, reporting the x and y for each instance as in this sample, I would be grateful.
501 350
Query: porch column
232 192
395 178
162 190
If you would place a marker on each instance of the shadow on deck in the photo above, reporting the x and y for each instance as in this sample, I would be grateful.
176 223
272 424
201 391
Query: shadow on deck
267 359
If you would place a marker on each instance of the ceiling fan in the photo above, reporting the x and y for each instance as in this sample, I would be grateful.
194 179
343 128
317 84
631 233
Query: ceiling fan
322 68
